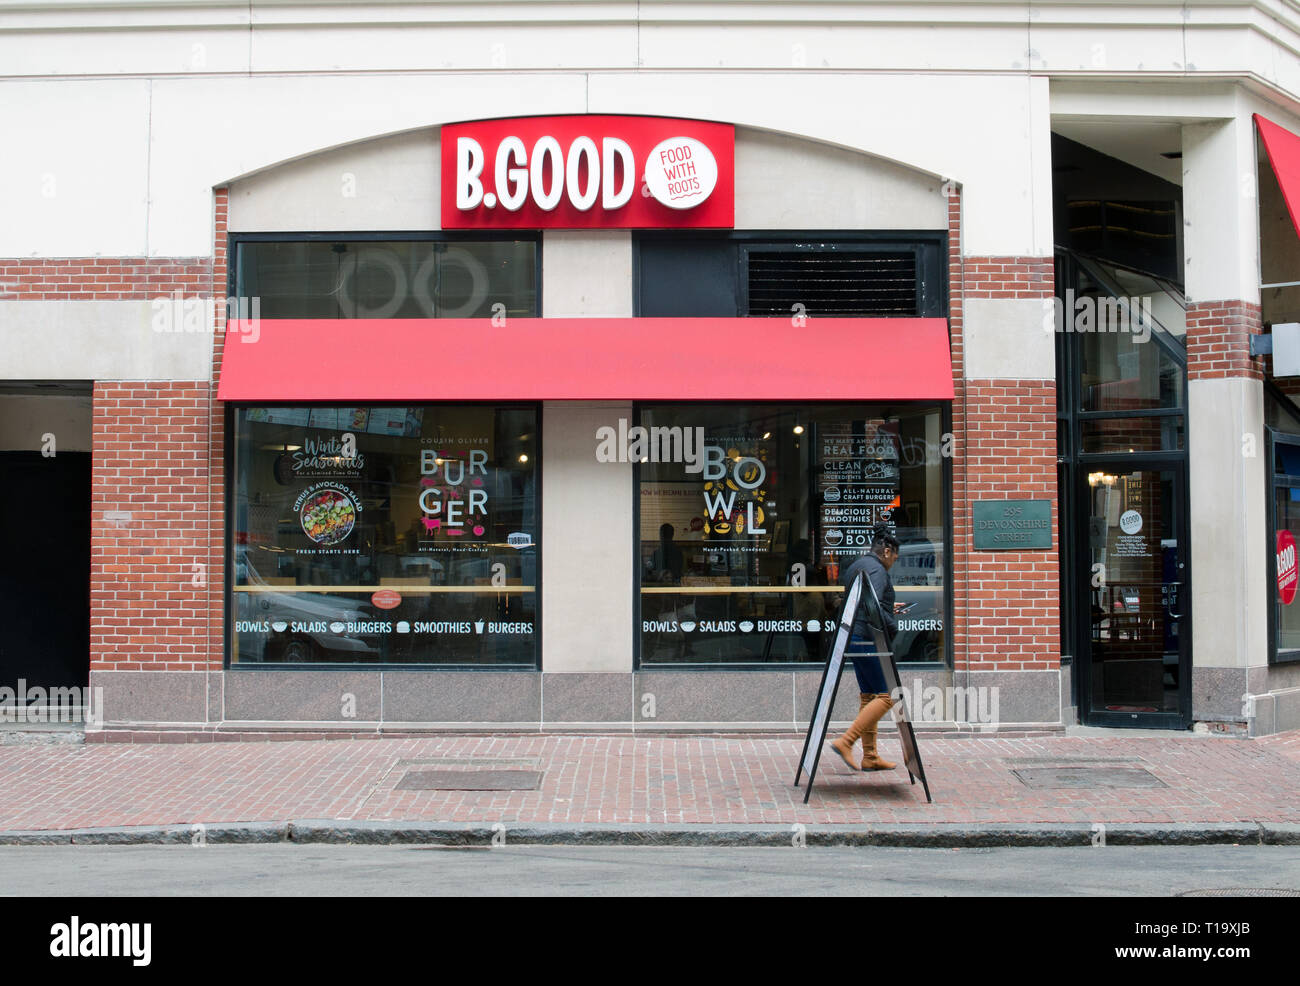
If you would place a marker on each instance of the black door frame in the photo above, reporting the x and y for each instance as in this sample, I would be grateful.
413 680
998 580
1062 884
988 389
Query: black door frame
1073 466
1175 463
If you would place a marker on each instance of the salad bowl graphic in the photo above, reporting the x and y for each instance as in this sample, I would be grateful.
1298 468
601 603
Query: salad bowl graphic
328 516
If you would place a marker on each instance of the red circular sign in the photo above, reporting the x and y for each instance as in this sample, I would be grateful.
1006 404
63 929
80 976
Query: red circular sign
390 598
1287 575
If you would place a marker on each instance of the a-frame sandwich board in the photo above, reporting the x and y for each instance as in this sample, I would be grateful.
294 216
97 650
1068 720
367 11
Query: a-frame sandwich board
861 594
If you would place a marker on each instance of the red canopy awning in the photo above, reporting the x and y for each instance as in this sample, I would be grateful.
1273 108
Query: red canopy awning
732 359
1283 149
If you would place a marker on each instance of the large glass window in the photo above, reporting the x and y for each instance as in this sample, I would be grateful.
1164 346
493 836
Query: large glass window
748 514
1283 569
329 278
385 535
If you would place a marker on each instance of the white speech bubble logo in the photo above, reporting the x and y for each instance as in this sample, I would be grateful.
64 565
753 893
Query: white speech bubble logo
681 172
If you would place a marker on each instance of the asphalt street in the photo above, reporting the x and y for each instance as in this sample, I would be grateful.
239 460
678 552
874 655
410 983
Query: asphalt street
295 870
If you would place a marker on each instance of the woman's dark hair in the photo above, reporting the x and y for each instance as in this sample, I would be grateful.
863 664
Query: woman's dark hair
882 539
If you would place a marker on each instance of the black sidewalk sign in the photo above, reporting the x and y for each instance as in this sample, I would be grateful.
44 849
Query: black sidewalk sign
861 593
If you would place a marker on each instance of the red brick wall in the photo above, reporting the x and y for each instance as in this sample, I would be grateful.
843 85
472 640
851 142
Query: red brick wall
1008 277
1006 604
150 545
157 503
102 278
1218 340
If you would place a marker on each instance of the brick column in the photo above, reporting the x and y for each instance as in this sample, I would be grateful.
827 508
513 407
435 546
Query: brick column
149 538
1006 607
157 506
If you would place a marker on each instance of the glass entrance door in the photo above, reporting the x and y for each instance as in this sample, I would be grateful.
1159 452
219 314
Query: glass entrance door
1134 648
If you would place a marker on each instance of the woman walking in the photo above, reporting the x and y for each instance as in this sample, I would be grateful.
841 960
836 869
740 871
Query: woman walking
874 698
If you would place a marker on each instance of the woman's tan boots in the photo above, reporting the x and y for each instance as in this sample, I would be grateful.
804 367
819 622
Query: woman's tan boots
875 708
843 744
871 709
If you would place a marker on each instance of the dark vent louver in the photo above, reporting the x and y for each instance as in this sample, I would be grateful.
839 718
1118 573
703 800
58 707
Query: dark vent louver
839 284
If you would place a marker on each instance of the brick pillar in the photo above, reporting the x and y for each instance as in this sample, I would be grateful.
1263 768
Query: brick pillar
1006 606
157 506
149 491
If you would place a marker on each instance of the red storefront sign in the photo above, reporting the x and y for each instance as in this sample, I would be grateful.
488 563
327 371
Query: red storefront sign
588 172
1287 574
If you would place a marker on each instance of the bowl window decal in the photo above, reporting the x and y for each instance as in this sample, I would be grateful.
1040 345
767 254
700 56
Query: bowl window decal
328 516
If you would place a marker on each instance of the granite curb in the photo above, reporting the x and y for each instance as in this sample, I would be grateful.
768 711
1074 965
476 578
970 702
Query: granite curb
469 835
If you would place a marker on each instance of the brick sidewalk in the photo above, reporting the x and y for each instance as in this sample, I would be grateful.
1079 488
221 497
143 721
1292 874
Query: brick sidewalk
642 780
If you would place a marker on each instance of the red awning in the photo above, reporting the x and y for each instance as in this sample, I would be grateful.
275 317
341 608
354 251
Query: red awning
732 359
1283 149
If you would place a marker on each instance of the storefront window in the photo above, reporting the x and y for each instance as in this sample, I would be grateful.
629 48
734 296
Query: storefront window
389 278
748 514
385 535
1284 569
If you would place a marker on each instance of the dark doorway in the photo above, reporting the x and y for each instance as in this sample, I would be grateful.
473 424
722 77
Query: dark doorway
45 605
1133 654
45 527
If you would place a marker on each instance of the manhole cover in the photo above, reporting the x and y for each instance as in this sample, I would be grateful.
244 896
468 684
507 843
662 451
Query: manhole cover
1241 892
486 763
470 780
1065 761
1086 777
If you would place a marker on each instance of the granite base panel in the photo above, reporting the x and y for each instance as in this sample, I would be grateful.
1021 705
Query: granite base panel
1220 695
386 702
1277 712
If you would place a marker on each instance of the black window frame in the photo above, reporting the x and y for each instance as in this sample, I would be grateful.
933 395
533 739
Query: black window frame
235 242
946 505
228 549
930 248
1272 438
1073 463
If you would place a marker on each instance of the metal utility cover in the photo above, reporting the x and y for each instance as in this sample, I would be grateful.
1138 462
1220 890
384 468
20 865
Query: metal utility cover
1087 777
470 780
